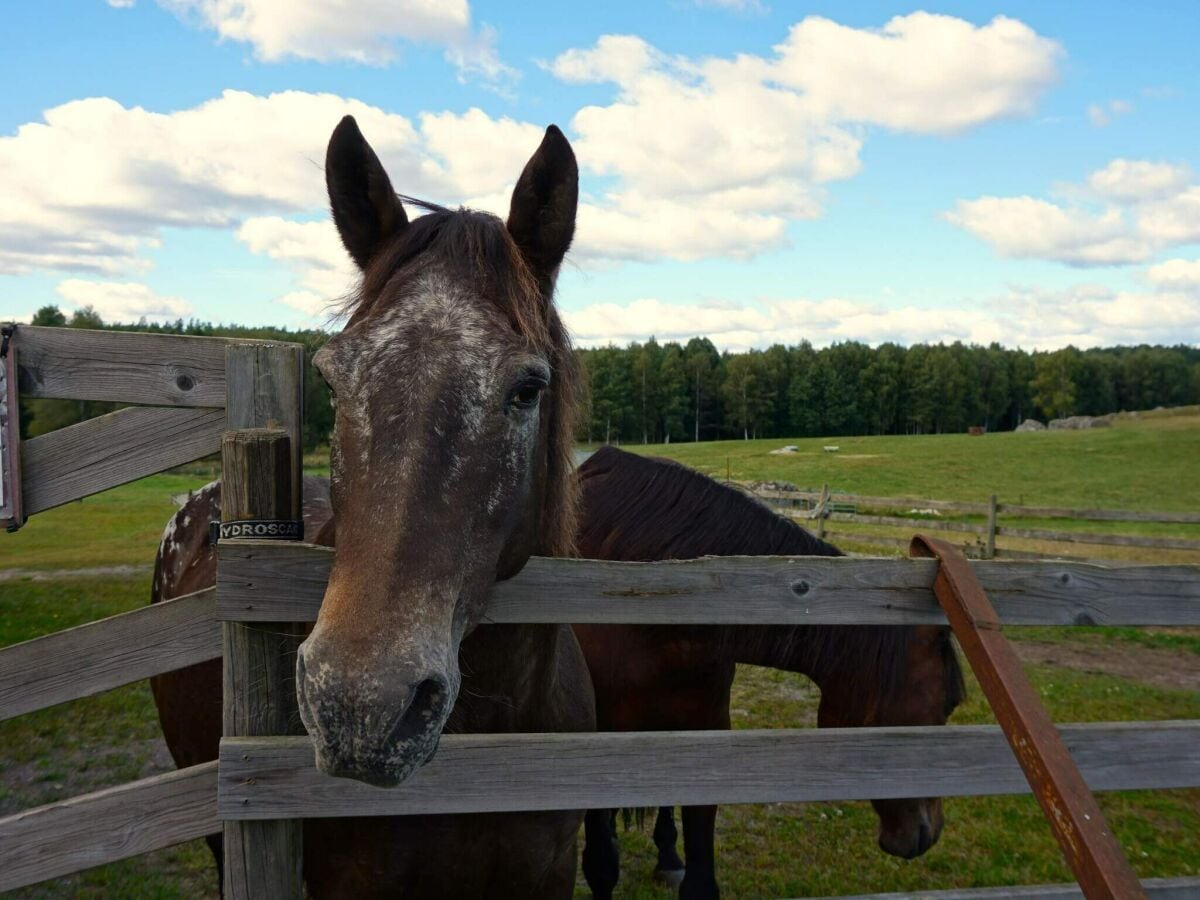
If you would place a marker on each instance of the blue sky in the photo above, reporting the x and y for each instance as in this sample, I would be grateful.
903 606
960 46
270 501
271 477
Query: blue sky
757 172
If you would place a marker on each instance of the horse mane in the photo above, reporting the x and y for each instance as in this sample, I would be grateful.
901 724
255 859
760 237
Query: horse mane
642 509
477 247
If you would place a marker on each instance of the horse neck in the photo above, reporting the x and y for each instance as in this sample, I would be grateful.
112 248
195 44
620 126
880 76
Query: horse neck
508 671
774 646
824 653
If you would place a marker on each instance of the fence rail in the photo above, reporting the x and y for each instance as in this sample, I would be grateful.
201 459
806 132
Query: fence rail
122 366
103 655
272 778
105 826
826 507
981 509
109 450
276 582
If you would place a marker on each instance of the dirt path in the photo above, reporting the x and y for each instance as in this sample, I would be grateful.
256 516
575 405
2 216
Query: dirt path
87 572
1161 668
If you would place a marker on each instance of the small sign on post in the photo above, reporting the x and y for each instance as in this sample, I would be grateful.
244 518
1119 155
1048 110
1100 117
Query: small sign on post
11 516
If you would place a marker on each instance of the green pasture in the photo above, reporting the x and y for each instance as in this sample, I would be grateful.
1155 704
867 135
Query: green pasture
769 850
1148 463
1139 464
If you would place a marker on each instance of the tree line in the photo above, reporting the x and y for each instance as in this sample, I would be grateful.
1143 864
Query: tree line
654 393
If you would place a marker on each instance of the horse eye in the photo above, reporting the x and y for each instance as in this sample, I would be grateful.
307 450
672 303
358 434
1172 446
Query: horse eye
526 394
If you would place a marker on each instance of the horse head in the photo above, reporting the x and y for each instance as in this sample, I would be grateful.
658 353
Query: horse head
450 457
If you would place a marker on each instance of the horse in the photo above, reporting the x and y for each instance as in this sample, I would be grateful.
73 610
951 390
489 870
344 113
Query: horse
455 394
678 677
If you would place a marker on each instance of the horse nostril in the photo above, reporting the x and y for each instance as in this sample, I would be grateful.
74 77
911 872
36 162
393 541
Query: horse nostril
424 710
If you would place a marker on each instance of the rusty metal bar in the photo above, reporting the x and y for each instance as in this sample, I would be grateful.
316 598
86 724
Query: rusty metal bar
1088 845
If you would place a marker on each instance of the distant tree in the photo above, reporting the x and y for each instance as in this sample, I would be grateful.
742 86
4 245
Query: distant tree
777 371
1054 382
50 316
748 398
609 372
646 359
1096 383
703 365
673 392
86 317
994 384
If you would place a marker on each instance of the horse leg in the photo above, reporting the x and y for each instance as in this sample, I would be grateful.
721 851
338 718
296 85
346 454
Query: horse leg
670 866
601 854
216 843
700 877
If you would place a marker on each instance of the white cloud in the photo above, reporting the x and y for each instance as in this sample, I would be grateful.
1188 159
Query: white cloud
1128 211
122 301
364 31
314 254
1029 228
921 72
121 4
1134 180
747 143
1083 315
1101 115
1097 115
1173 220
90 187
1176 273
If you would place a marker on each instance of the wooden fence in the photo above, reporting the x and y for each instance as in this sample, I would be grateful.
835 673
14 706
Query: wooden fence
264 781
194 389
825 507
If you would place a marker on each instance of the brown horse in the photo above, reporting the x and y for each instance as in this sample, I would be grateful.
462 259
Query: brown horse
451 465
651 678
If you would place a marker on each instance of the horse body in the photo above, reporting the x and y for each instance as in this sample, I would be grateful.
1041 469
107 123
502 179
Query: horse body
650 678
450 463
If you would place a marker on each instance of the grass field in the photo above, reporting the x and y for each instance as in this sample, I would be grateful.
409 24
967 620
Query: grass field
770 850
1139 464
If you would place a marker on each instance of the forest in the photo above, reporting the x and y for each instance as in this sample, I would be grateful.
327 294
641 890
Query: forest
654 393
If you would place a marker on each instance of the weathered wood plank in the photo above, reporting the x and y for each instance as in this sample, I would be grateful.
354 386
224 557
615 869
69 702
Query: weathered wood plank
880 502
272 777
126 367
879 540
1006 553
1099 515
1078 824
102 827
1157 888
265 389
261 581
1010 509
109 450
1114 540
99 656
901 522
261 479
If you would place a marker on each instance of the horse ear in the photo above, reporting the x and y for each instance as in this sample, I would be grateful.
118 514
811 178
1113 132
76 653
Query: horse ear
365 208
541 218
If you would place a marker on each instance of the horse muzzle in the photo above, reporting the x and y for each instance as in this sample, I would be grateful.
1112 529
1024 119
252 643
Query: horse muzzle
372 728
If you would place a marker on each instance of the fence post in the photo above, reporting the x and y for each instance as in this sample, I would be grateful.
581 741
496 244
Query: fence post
822 510
261 479
990 551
